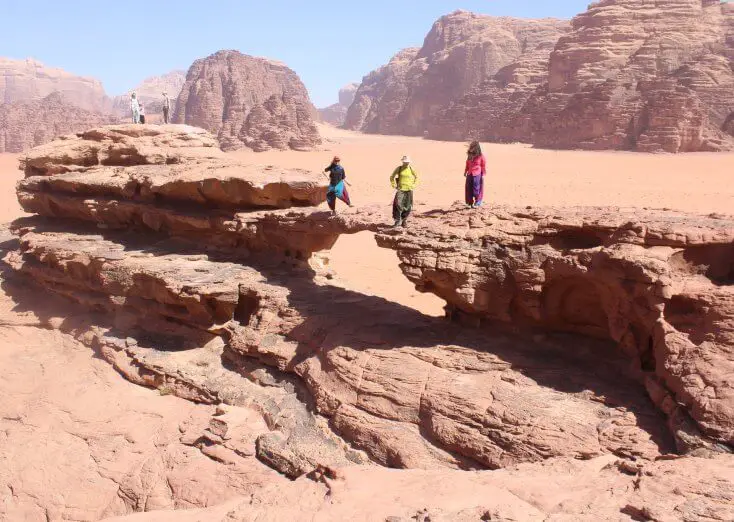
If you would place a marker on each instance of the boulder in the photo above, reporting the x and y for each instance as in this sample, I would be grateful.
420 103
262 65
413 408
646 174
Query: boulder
248 102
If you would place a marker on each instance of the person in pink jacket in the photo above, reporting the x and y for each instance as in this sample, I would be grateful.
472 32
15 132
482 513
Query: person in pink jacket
476 168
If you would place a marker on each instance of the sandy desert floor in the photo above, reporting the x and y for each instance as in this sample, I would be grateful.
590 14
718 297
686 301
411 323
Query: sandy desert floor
517 175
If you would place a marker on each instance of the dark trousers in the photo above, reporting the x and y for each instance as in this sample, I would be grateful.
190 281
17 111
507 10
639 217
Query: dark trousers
402 205
165 115
142 118
474 189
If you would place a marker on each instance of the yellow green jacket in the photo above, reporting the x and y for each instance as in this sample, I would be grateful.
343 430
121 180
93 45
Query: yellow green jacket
404 178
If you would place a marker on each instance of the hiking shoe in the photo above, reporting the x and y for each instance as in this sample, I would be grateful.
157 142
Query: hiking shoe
397 223
477 205
405 223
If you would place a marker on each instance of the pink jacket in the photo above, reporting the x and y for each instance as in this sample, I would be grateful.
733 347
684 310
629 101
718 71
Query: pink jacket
477 166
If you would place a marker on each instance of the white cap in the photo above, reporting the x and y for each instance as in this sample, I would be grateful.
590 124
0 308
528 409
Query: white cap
406 159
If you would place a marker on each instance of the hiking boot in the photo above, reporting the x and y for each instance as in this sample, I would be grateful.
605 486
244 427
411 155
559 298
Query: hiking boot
478 204
397 223
405 223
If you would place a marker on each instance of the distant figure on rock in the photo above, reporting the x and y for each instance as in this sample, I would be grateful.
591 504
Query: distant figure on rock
166 107
135 107
474 172
142 113
404 179
337 184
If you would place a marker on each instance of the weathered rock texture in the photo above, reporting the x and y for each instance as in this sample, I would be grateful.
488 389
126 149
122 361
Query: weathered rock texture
462 52
639 75
157 265
661 284
29 123
337 113
248 102
631 74
25 80
150 92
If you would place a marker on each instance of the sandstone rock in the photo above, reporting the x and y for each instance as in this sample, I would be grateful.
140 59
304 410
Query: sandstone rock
121 146
681 490
337 113
29 123
658 283
462 52
639 76
27 80
150 92
248 102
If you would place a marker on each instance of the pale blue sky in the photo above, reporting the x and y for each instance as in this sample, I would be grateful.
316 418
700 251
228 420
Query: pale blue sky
328 43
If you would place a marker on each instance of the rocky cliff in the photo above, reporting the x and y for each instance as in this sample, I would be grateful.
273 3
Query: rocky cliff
641 76
626 74
25 80
593 334
248 102
461 52
337 113
26 124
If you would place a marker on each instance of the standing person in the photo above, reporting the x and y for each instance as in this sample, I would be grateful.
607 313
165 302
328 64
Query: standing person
135 107
142 113
166 107
474 172
404 179
337 184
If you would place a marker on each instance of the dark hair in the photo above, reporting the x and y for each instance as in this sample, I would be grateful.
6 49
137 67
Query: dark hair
474 150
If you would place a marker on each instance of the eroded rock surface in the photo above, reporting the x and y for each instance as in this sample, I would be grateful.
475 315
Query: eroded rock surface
29 123
462 52
659 283
248 102
639 75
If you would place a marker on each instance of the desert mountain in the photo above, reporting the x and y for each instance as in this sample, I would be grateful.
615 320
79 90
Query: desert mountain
461 51
22 80
336 114
150 92
248 102
28 123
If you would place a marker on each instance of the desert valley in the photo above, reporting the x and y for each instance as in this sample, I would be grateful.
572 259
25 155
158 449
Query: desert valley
188 333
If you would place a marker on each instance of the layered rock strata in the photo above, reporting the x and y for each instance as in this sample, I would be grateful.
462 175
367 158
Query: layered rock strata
463 52
29 123
164 253
638 75
248 102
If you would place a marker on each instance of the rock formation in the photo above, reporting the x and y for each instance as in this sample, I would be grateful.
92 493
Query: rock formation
462 52
248 102
150 92
630 74
26 80
590 334
337 113
640 76
26 124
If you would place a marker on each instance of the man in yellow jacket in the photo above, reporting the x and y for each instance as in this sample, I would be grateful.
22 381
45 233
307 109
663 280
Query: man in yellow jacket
404 179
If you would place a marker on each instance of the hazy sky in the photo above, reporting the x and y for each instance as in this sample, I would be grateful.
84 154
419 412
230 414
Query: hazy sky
328 43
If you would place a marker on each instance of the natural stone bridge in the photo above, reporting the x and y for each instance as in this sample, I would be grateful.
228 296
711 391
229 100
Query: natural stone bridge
180 249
